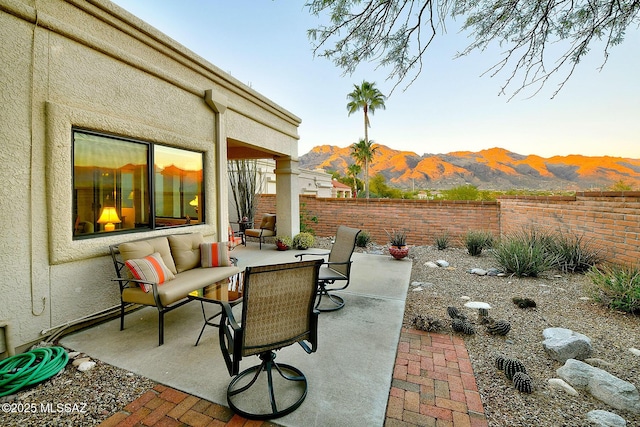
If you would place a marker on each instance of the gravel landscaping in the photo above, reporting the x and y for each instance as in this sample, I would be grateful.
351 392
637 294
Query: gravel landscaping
562 300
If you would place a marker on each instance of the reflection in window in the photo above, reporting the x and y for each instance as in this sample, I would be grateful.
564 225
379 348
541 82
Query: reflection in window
113 190
178 181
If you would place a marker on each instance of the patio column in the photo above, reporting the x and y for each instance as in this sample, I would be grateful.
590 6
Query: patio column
218 104
287 196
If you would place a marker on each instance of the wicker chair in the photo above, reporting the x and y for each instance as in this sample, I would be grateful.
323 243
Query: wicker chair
277 312
266 229
337 268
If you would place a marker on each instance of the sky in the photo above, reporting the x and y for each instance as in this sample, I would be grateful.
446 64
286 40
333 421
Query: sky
452 106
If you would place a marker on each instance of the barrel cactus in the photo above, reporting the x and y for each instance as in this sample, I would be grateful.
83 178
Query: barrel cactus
524 302
501 327
511 366
463 326
454 313
522 382
425 323
500 362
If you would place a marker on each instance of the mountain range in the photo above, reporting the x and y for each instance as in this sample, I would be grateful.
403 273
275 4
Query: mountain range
495 169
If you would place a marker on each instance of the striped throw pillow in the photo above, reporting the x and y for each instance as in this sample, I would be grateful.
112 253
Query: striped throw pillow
214 255
150 269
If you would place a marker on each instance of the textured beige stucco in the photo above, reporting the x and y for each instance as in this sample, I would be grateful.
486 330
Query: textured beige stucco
90 64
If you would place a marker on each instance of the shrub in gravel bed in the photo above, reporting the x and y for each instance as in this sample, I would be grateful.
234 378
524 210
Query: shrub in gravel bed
442 241
574 253
477 240
617 287
521 257
363 239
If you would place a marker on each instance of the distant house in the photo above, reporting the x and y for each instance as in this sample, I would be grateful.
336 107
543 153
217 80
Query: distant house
341 190
111 132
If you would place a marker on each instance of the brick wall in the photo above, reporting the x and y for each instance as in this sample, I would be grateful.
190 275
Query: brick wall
422 219
610 220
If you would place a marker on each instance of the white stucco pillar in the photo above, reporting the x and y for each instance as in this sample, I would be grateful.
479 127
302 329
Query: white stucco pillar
287 197
218 104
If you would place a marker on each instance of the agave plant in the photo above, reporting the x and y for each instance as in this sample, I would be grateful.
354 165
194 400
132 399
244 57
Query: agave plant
397 237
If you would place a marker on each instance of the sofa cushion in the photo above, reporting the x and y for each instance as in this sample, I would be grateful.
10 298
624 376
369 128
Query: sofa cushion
151 269
143 248
185 249
181 286
214 255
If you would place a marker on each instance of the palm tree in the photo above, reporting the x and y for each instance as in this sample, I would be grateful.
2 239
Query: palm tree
353 170
368 98
363 152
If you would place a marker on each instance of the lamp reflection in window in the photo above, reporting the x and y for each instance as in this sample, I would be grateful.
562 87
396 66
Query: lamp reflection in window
109 217
195 203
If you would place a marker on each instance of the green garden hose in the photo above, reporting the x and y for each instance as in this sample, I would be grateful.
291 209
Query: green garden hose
30 368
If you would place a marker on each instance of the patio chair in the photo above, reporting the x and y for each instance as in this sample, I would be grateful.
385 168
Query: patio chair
337 268
235 238
267 229
277 311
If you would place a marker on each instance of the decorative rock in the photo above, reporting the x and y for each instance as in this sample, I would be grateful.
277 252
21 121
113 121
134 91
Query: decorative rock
522 382
80 361
598 363
511 366
416 284
74 354
442 263
85 366
478 272
431 264
464 297
501 327
562 344
602 385
635 351
605 419
560 384
418 289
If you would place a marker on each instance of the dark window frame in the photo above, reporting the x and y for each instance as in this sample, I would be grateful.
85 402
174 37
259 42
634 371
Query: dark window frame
150 188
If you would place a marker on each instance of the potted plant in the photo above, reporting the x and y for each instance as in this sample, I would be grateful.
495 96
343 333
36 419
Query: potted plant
283 243
398 243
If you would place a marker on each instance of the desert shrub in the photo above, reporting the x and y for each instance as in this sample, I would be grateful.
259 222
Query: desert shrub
574 253
527 252
461 192
363 239
303 240
617 287
442 241
522 257
477 240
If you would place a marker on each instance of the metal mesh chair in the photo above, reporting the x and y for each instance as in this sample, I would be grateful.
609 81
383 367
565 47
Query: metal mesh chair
337 268
266 229
277 312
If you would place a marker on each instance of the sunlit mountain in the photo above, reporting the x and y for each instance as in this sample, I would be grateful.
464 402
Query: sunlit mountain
495 168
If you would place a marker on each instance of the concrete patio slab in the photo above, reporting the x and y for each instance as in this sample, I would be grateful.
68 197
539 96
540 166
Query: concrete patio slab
349 376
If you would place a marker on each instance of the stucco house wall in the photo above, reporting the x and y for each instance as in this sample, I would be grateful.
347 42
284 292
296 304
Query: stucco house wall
90 64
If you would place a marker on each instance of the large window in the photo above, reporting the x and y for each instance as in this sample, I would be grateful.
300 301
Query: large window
114 187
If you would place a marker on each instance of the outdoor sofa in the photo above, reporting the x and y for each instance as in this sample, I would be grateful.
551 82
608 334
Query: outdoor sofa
162 271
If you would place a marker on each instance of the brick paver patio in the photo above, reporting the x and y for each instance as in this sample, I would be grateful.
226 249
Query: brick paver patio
433 385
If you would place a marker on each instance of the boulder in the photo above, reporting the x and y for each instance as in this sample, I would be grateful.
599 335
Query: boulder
562 344
602 418
602 385
559 384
